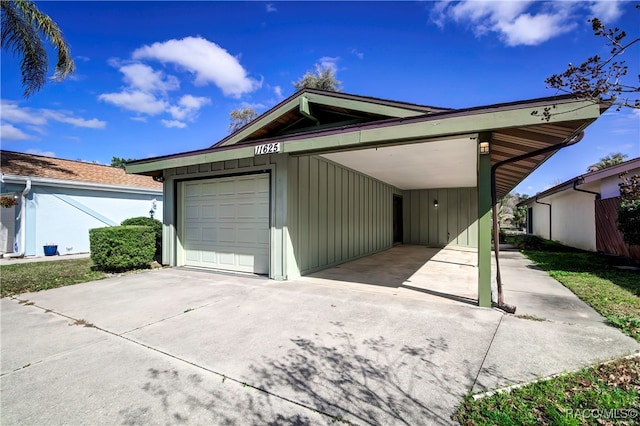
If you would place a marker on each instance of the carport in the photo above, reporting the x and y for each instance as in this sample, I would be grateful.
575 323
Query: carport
325 178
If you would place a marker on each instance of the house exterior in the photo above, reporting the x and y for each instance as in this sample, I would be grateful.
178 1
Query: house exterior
324 178
58 201
582 211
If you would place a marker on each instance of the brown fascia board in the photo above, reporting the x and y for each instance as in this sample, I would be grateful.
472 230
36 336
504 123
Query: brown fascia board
372 99
378 124
611 171
407 105
586 178
554 190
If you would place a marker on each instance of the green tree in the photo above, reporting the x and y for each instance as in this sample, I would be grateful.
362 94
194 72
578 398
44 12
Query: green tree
599 77
120 162
323 78
612 159
24 29
520 217
240 117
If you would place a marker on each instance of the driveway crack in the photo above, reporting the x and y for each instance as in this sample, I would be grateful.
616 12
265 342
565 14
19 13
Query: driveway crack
473 385
223 377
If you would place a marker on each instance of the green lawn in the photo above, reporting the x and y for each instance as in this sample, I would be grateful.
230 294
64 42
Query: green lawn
29 277
612 388
567 400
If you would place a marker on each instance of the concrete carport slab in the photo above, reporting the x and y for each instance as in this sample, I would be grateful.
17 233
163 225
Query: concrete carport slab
193 347
445 273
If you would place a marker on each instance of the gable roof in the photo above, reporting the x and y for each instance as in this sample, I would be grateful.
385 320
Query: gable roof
312 109
516 128
586 178
38 166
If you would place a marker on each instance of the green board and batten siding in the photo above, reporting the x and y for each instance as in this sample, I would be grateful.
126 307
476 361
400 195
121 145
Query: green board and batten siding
335 214
323 214
452 222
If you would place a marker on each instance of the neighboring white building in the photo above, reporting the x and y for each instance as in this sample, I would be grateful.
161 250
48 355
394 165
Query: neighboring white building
60 200
568 212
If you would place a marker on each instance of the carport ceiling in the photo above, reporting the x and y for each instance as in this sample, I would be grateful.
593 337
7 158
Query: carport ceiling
447 163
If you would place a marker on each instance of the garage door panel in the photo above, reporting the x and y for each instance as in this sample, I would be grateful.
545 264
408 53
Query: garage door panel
209 234
226 223
193 234
208 211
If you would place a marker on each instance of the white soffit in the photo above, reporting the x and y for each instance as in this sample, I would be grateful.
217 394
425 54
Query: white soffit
438 164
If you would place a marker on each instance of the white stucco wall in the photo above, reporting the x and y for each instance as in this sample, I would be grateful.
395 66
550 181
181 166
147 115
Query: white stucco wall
609 186
573 218
540 220
64 216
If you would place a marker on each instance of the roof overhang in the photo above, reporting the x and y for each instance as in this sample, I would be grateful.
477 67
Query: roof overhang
516 128
587 180
74 184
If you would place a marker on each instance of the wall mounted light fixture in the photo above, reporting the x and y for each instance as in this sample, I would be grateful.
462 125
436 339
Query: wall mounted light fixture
484 147
435 203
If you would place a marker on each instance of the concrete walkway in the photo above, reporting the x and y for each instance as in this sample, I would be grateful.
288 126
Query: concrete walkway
191 347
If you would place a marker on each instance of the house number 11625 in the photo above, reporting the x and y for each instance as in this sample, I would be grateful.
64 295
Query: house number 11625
268 148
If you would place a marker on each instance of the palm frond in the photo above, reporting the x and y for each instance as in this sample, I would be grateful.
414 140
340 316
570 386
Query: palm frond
22 33
45 26
19 37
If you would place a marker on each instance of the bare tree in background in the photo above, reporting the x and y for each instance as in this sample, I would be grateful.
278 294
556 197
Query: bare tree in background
241 117
323 78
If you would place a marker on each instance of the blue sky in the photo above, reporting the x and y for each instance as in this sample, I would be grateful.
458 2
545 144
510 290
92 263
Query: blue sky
157 78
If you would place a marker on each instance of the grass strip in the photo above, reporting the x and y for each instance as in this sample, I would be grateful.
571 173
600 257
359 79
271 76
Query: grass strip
605 394
29 277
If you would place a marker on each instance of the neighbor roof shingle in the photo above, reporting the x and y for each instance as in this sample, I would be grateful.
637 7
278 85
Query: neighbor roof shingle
20 164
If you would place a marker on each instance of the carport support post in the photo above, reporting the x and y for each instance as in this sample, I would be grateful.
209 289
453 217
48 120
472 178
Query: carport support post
484 223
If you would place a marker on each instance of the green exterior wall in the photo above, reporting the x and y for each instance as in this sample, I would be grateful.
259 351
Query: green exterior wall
453 222
276 165
323 214
335 214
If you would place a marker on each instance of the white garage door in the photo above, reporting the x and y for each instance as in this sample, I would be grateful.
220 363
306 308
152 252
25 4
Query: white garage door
226 223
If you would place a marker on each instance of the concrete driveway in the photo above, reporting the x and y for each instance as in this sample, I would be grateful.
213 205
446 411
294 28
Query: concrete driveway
179 346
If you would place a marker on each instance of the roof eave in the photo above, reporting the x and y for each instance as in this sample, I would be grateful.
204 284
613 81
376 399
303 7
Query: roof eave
65 183
424 127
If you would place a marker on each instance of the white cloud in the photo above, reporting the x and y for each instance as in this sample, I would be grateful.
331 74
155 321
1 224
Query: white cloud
188 107
174 123
93 123
41 152
137 101
83 58
271 8
13 113
144 78
359 55
255 105
193 102
517 22
607 11
532 30
11 133
330 62
147 92
35 119
278 91
209 63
